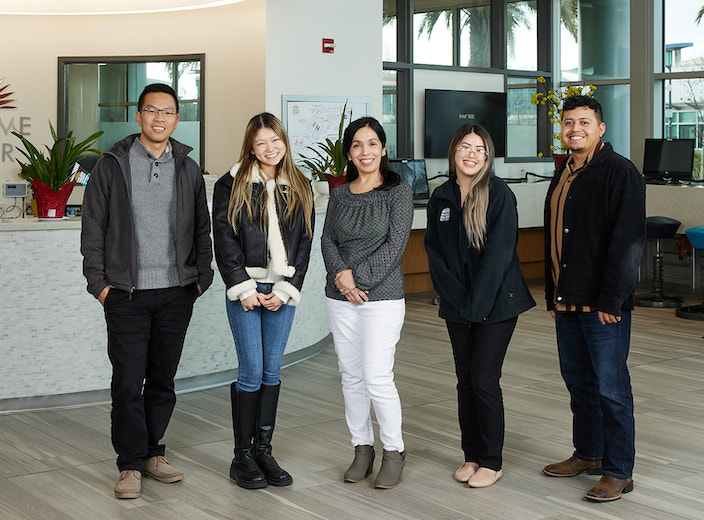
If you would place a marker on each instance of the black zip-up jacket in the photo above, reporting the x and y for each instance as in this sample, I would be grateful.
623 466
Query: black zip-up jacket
108 236
248 249
490 288
603 235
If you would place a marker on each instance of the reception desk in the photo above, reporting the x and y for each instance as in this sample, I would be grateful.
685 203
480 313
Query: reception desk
529 199
53 343
683 203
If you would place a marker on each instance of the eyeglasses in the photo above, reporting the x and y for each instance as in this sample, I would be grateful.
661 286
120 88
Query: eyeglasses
153 111
466 150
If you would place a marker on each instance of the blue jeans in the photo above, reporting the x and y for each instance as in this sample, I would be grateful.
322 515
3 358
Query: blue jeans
260 339
593 364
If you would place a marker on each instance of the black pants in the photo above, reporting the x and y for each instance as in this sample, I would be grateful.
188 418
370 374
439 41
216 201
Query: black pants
479 352
145 339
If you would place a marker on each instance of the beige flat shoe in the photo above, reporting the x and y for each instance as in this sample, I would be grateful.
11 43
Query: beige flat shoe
465 472
484 477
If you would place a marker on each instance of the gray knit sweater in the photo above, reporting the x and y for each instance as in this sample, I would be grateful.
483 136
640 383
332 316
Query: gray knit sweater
367 232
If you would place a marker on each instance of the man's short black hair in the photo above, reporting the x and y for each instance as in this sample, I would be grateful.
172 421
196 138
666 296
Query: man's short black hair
156 87
572 102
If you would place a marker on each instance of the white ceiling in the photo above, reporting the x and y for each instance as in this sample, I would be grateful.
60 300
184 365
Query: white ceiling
70 7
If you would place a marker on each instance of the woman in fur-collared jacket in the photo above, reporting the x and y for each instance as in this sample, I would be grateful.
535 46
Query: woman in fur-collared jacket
263 227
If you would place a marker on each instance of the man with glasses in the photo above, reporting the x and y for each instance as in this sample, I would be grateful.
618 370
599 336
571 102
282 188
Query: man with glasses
594 240
146 251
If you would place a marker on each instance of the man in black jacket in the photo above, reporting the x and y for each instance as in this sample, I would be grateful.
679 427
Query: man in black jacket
146 249
594 240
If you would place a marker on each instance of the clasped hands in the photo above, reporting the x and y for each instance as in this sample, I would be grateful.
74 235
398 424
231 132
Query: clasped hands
344 281
270 301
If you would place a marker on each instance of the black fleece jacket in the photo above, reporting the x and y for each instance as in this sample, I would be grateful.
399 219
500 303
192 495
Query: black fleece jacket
490 287
603 235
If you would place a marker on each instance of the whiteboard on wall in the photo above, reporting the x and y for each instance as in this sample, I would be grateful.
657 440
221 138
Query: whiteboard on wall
311 119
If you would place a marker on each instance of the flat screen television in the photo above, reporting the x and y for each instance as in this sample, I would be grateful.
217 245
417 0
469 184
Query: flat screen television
414 173
668 160
447 110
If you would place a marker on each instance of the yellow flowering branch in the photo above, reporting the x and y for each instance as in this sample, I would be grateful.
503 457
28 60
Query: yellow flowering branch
554 99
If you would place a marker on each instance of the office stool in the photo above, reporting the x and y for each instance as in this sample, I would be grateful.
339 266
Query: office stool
659 228
695 235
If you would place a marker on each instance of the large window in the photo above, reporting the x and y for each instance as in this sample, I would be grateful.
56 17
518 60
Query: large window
102 94
595 49
475 34
522 35
493 36
683 75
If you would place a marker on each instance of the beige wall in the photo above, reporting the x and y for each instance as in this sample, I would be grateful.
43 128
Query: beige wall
232 38
296 65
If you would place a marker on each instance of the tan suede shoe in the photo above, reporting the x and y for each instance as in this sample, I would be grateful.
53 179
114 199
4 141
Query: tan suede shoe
609 488
158 468
573 466
129 485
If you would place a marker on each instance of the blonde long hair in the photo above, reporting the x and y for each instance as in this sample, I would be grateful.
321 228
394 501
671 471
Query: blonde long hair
477 202
298 196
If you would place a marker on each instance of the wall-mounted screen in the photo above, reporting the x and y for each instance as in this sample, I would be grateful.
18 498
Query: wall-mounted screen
447 110
668 160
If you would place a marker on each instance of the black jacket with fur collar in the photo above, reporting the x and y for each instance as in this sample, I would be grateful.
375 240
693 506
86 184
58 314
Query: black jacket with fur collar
603 235
251 254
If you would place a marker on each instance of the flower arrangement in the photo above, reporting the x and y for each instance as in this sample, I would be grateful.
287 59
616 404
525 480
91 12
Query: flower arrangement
554 99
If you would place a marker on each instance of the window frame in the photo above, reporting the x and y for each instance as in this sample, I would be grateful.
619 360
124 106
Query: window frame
62 99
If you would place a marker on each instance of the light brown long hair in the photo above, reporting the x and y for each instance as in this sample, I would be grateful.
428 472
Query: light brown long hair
298 196
477 202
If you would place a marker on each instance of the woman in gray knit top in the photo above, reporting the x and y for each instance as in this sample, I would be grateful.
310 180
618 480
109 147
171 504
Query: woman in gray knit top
366 229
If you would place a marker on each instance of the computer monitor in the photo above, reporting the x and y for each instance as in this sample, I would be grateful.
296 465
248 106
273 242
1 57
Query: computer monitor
668 160
414 173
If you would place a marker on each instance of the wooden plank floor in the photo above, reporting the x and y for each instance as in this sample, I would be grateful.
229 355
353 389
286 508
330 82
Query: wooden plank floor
59 464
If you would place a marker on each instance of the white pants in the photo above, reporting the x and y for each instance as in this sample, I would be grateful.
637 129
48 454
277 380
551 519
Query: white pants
365 342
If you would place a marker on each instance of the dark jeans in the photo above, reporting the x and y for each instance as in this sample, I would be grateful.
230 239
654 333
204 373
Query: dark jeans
479 352
145 338
593 364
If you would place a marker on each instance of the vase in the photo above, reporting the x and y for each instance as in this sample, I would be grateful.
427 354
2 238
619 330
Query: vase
559 158
321 188
51 204
334 182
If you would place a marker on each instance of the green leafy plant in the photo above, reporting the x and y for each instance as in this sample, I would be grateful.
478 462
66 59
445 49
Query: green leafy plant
328 157
54 169
554 99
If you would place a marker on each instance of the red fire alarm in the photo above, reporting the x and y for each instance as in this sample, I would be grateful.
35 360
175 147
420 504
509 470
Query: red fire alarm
329 45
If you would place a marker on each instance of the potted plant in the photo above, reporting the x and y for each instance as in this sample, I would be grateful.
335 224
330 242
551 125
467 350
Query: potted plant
554 99
50 175
328 161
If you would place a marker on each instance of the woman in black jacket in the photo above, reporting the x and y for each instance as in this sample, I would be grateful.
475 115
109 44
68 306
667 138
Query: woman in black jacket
263 228
471 243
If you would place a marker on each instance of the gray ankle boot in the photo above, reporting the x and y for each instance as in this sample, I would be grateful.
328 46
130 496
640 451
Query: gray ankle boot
391 469
361 465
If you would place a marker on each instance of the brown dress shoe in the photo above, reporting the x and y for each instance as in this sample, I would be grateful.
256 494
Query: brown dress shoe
609 488
573 466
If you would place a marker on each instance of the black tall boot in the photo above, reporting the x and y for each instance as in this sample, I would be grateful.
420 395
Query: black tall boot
244 469
266 417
